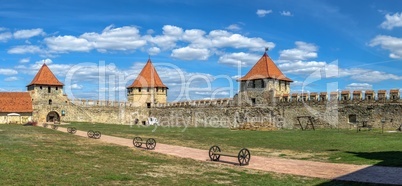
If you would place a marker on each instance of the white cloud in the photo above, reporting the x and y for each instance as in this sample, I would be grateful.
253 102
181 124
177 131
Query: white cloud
217 39
47 61
122 38
12 78
193 35
6 71
188 53
25 60
301 67
25 34
154 51
171 34
286 13
68 43
241 58
393 44
334 71
23 49
392 21
76 86
234 27
373 76
297 84
197 39
302 51
236 77
170 30
262 13
184 44
293 62
359 86
5 36
222 38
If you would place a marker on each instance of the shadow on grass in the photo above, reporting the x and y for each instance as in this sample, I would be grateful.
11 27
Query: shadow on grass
388 158
388 171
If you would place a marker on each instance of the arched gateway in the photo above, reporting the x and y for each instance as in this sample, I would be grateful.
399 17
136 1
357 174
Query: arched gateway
52 117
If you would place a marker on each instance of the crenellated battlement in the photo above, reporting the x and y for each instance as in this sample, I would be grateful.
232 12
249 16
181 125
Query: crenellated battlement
341 97
199 103
193 103
344 96
100 103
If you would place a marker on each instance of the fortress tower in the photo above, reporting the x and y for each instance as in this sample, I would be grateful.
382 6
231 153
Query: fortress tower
148 88
47 95
263 82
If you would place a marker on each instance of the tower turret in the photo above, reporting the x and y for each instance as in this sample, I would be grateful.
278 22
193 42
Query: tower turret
148 88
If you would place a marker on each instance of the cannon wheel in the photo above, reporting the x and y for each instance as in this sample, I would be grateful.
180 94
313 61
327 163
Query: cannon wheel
244 156
212 156
97 134
90 133
55 127
137 141
69 129
151 143
73 130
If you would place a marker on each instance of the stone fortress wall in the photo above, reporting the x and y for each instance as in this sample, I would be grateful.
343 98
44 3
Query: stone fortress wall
342 109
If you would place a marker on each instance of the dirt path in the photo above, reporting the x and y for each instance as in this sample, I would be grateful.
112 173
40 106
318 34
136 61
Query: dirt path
346 172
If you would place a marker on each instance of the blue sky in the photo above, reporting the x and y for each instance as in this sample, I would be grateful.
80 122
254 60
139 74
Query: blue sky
199 48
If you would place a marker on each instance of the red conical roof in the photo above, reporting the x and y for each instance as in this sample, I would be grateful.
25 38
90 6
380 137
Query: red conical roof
148 77
265 68
45 77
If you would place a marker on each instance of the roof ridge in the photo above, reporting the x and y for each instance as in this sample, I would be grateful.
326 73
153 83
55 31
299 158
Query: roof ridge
265 68
148 77
45 77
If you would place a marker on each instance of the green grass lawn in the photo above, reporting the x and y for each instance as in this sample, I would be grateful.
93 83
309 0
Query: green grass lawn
339 146
39 156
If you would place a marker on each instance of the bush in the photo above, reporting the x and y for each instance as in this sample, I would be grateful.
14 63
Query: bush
31 123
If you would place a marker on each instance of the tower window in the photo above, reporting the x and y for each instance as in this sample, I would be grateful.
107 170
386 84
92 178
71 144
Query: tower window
139 89
148 105
148 89
48 89
352 118
50 102
163 89
57 88
157 89
253 101
40 87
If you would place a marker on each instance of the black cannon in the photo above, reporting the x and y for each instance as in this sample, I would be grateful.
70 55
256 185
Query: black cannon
71 130
94 134
243 156
150 143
